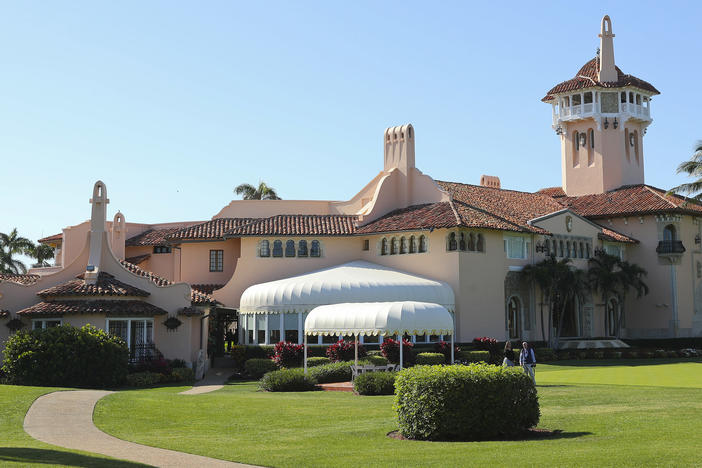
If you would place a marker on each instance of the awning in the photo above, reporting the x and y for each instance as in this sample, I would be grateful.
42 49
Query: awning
352 282
379 318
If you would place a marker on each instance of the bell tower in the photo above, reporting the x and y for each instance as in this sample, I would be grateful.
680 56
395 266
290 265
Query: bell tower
601 116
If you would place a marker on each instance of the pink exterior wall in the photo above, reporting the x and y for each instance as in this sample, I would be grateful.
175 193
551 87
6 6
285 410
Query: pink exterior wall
195 261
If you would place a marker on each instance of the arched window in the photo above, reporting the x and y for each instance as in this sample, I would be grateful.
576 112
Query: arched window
462 242
560 248
393 246
513 318
290 248
403 245
635 135
569 252
481 243
623 99
384 246
547 246
582 251
452 244
413 244
302 248
422 243
587 250
576 149
669 233
471 242
264 249
612 317
277 248
315 249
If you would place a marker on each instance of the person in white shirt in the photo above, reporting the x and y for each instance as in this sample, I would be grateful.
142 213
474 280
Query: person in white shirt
527 359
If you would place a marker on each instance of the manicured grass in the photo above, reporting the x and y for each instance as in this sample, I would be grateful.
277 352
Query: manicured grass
607 414
19 449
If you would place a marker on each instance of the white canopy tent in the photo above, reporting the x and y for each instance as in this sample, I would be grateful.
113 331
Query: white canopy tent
379 318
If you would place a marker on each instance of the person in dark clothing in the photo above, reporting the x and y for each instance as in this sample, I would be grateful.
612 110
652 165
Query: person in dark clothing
508 361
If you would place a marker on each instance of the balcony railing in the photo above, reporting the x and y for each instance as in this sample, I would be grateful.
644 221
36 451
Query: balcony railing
668 247
586 110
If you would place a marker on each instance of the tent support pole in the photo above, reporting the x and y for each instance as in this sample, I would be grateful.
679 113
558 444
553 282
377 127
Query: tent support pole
399 338
355 350
452 346
304 347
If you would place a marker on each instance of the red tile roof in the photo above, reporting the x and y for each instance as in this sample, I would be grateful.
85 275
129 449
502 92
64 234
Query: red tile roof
191 311
210 230
633 200
196 297
21 279
51 239
151 237
554 192
298 225
613 236
418 217
106 285
206 288
118 308
587 77
137 259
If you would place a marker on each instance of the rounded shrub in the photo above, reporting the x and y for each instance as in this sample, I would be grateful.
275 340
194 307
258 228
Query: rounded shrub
476 356
472 402
430 359
144 379
375 383
287 380
182 374
317 361
66 356
333 372
255 368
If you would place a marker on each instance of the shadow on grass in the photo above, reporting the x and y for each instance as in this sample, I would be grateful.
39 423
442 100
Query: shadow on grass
531 434
26 456
623 362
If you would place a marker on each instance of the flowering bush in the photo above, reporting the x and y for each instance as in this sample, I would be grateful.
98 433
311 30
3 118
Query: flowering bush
484 343
391 350
445 348
288 354
344 351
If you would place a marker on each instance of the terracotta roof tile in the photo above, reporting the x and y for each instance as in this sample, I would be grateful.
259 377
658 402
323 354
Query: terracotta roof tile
417 217
106 285
214 229
115 308
21 279
587 77
191 311
298 225
633 200
151 237
51 239
206 288
554 192
196 297
137 259
613 236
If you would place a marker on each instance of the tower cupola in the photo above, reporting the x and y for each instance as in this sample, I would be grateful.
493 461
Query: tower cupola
601 116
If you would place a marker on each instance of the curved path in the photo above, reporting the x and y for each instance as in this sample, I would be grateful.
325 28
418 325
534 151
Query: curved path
66 419
214 380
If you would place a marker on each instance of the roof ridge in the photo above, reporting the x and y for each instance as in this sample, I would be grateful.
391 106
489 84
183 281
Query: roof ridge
495 215
651 189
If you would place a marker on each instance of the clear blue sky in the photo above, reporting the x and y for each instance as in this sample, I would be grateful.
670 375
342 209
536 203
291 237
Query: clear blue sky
172 104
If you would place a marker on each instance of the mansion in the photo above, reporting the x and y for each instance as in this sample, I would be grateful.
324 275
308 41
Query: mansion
403 236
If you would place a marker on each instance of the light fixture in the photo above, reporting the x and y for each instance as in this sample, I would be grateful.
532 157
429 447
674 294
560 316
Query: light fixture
606 123
615 124
583 139
559 130
632 139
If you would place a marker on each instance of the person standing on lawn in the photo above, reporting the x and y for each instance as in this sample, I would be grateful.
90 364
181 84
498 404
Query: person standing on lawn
527 359
508 361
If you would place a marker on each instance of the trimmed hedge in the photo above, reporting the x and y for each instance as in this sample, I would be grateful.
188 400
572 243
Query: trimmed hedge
66 356
143 379
182 374
287 380
430 359
334 372
317 361
476 356
256 368
472 402
374 360
375 383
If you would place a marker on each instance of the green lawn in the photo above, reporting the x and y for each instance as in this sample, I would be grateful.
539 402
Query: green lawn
611 413
18 449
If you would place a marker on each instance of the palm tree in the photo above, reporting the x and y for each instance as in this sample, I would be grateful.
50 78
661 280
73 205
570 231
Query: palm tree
631 277
571 285
262 192
693 168
12 244
537 275
41 253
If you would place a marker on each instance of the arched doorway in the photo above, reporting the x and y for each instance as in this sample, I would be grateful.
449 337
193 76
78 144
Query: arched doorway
571 319
611 317
514 310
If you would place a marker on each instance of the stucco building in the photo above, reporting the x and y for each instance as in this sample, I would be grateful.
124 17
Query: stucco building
473 238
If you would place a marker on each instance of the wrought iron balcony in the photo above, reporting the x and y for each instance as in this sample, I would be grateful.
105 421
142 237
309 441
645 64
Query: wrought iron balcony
668 247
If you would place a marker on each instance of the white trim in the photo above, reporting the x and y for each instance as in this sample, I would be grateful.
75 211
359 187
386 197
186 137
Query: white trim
129 321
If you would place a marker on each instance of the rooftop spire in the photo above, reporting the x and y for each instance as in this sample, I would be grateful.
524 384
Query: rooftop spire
607 71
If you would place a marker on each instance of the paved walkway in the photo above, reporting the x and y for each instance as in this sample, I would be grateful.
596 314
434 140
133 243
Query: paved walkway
66 419
214 380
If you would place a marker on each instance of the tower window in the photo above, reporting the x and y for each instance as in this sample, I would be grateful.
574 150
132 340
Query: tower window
413 244
290 248
422 244
588 97
277 248
216 260
393 246
403 245
302 248
384 246
452 242
264 250
315 249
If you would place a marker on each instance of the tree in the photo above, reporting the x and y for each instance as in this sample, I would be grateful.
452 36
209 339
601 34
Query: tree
571 285
631 277
693 168
10 245
262 192
41 253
